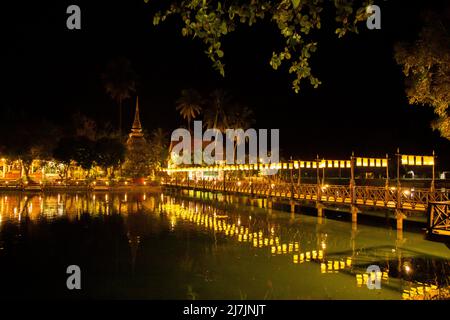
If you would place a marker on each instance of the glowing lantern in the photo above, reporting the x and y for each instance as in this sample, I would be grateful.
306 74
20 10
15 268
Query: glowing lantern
428 160
358 162
418 160
365 162
378 163
404 159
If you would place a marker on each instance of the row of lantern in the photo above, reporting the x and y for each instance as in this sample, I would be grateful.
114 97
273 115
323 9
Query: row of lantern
412 160
342 164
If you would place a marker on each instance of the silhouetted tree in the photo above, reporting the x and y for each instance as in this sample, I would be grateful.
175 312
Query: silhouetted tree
109 154
189 105
426 65
119 81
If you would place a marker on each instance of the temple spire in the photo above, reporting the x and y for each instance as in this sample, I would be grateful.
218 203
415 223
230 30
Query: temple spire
137 122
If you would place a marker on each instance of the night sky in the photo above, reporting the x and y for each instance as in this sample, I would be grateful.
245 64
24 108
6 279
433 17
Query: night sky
50 72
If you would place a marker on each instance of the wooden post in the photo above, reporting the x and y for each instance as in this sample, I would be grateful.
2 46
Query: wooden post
354 212
387 172
319 208
319 193
291 170
292 204
352 179
323 175
399 216
432 188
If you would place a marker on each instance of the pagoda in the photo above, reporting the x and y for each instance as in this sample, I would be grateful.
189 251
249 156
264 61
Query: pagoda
136 135
138 152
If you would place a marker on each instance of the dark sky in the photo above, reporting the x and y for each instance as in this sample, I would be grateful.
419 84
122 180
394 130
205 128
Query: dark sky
50 72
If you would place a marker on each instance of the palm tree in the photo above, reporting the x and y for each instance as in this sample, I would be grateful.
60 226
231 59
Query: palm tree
119 81
189 105
240 117
216 116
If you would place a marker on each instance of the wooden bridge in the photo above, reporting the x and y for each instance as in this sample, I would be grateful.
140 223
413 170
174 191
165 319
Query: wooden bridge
356 198
288 185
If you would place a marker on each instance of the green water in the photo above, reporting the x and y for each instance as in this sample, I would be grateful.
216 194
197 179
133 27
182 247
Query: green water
154 246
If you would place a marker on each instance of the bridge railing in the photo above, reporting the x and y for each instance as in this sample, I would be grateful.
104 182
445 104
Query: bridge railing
340 194
403 198
375 196
439 217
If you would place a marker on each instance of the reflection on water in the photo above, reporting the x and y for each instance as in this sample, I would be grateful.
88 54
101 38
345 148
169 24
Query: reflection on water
137 245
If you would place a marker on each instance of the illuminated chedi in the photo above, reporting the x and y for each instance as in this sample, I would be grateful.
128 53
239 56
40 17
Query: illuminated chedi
136 162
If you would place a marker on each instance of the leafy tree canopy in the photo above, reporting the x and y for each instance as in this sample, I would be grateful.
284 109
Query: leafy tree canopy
211 20
110 152
426 65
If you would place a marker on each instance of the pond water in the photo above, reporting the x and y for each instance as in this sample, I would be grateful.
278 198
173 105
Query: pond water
160 246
